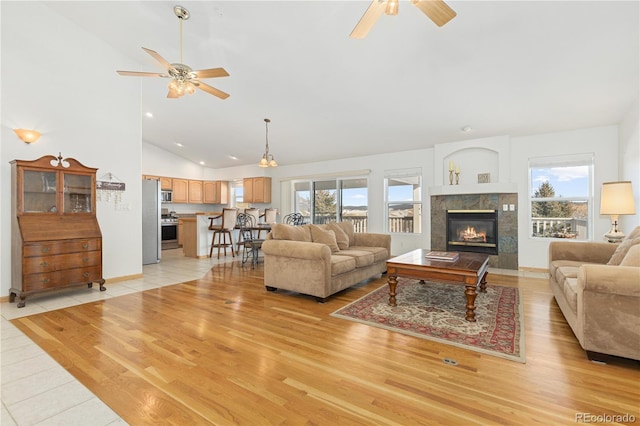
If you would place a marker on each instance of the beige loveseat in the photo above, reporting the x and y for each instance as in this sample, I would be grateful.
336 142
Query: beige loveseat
321 260
597 286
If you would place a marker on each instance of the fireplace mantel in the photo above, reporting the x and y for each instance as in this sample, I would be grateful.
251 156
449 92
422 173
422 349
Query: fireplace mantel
481 188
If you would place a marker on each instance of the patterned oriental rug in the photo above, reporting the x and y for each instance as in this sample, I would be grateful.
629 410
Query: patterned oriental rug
436 311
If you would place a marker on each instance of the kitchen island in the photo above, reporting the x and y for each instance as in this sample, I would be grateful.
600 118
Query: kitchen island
196 238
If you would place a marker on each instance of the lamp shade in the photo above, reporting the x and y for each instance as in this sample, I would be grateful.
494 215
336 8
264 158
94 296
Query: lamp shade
617 198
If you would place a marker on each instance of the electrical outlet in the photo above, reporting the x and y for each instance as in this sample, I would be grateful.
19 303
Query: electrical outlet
505 207
512 207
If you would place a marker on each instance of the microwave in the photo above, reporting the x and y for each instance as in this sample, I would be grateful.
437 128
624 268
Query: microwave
165 196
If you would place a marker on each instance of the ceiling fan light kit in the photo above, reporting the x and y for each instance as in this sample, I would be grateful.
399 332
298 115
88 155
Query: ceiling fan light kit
183 78
436 10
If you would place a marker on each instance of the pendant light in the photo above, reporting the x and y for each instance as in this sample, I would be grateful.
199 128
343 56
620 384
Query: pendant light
267 159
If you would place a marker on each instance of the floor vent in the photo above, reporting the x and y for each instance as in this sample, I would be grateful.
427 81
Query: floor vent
450 361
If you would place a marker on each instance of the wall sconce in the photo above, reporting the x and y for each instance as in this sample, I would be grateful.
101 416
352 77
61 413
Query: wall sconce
616 199
27 136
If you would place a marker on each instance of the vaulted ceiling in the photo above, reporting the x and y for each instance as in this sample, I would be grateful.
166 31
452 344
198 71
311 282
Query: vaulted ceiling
502 68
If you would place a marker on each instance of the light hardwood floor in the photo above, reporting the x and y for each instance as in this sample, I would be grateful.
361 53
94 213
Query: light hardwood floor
222 350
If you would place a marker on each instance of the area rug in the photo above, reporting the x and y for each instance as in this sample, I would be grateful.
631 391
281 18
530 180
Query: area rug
436 311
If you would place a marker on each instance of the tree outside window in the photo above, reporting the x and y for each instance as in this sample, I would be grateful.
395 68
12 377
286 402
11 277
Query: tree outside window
561 197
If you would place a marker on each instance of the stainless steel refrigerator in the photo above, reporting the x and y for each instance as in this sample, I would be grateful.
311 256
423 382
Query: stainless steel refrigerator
151 224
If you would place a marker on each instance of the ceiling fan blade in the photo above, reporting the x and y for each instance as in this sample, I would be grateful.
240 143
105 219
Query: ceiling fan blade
376 8
211 72
158 58
142 74
436 10
211 90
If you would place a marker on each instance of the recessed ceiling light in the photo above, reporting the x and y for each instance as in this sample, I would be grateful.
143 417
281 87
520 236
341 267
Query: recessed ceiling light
466 128
202 163
233 157
179 144
148 114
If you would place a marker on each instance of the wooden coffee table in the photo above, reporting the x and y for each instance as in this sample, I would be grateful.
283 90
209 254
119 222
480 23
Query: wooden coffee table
470 270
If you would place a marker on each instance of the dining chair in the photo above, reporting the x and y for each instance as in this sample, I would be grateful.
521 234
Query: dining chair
295 219
270 215
223 231
255 213
250 244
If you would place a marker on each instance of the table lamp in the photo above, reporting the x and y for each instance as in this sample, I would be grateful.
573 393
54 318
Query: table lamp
616 199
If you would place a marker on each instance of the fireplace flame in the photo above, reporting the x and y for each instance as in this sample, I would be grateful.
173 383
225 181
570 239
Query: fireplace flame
470 234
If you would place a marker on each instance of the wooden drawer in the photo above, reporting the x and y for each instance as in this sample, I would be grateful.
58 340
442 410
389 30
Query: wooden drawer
35 265
47 280
59 247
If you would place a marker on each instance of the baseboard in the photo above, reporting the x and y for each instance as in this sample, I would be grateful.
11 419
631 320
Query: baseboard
106 281
123 278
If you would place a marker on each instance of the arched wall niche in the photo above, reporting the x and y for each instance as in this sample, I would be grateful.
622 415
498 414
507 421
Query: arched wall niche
471 162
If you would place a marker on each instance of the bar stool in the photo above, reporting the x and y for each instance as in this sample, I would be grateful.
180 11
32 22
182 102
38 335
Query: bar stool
222 231
270 216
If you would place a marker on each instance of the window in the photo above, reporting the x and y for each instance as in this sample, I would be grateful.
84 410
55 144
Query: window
237 193
561 199
404 201
354 201
302 199
324 200
325 205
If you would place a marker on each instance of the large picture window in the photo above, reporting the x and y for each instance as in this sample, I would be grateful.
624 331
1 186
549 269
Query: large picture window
324 200
404 201
561 198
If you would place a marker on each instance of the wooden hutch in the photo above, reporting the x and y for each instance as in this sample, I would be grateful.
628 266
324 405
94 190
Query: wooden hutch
56 241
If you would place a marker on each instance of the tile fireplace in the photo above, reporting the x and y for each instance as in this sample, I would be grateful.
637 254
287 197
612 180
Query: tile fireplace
502 240
473 231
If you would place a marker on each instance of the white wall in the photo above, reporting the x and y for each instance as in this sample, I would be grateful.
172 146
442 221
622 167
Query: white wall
512 170
158 162
602 141
65 86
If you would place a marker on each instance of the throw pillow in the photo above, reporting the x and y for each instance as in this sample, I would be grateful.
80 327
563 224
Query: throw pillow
324 236
622 250
635 233
633 257
347 227
281 231
341 237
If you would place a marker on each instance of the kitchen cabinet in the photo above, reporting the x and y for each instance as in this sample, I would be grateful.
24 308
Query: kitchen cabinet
166 183
216 192
56 239
257 190
180 190
195 191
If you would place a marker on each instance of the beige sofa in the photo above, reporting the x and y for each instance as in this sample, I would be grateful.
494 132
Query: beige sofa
597 287
321 260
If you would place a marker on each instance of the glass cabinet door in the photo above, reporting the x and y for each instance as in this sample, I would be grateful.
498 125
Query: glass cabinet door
77 193
39 191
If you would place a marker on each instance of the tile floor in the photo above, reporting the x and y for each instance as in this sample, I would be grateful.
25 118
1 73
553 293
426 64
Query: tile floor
35 389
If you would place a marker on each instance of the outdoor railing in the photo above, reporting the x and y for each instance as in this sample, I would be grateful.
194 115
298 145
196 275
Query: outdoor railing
559 227
403 224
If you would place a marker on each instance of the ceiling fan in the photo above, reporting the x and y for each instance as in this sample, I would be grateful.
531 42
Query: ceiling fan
183 78
436 10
